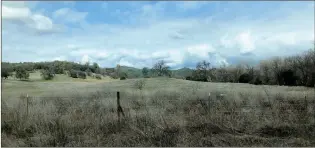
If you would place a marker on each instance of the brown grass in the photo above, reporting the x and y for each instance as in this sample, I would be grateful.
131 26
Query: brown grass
165 113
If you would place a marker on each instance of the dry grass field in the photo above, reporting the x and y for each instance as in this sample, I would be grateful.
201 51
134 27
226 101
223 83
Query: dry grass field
158 112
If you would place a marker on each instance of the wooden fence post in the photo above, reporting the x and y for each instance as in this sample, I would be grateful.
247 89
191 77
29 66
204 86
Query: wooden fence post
119 108
26 105
209 101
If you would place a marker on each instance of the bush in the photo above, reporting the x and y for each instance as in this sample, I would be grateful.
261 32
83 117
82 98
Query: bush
188 78
139 84
245 78
81 74
122 78
21 73
311 81
4 74
98 77
47 74
288 77
89 72
257 81
73 73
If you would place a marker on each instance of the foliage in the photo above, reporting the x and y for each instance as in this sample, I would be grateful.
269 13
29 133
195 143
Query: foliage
4 73
288 77
188 78
139 84
88 72
47 74
98 76
73 73
245 78
21 73
257 81
81 74
123 75
145 71
161 69
202 72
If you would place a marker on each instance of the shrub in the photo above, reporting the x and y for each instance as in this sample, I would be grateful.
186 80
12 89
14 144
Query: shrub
188 78
89 72
139 84
245 78
122 78
288 77
73 73
21 73
81 74
311 81
257 81
4 74
47 74
113 75
98 76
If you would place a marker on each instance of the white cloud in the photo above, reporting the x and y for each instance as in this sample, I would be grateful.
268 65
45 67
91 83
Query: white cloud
85 59
69 15
19 13
124 62
12 13
201 50
42 23
246 42
190 5
60 58
181 41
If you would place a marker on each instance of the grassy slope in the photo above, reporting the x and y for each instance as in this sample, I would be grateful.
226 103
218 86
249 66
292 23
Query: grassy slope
187 121
35 86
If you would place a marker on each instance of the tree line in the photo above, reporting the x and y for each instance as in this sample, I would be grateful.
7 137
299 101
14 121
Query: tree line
49 69
298 70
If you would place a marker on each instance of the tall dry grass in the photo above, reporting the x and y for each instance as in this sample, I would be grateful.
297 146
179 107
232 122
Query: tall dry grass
164 116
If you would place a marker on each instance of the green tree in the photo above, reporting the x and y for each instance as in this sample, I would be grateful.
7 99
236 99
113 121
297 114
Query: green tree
73 73
145 71
4 74
48 73
21 73
96 68
81 74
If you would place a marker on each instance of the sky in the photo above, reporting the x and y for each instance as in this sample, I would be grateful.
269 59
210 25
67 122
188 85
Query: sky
139 33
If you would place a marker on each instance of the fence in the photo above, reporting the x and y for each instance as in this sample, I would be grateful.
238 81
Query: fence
208 104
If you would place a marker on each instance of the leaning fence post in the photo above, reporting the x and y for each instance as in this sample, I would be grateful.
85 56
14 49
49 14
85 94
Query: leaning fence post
209 101
119 108
26 105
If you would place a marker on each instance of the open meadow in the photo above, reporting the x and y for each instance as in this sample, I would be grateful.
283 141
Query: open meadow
157 112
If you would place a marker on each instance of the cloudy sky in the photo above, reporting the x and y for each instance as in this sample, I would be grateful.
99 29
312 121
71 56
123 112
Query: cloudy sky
140 33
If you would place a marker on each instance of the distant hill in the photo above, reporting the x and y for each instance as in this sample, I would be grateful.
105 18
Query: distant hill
183 72
136 72
131 71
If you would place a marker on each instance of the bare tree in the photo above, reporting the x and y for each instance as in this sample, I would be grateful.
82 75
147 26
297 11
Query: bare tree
237 72
265 68
161 69
276 69
203 71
